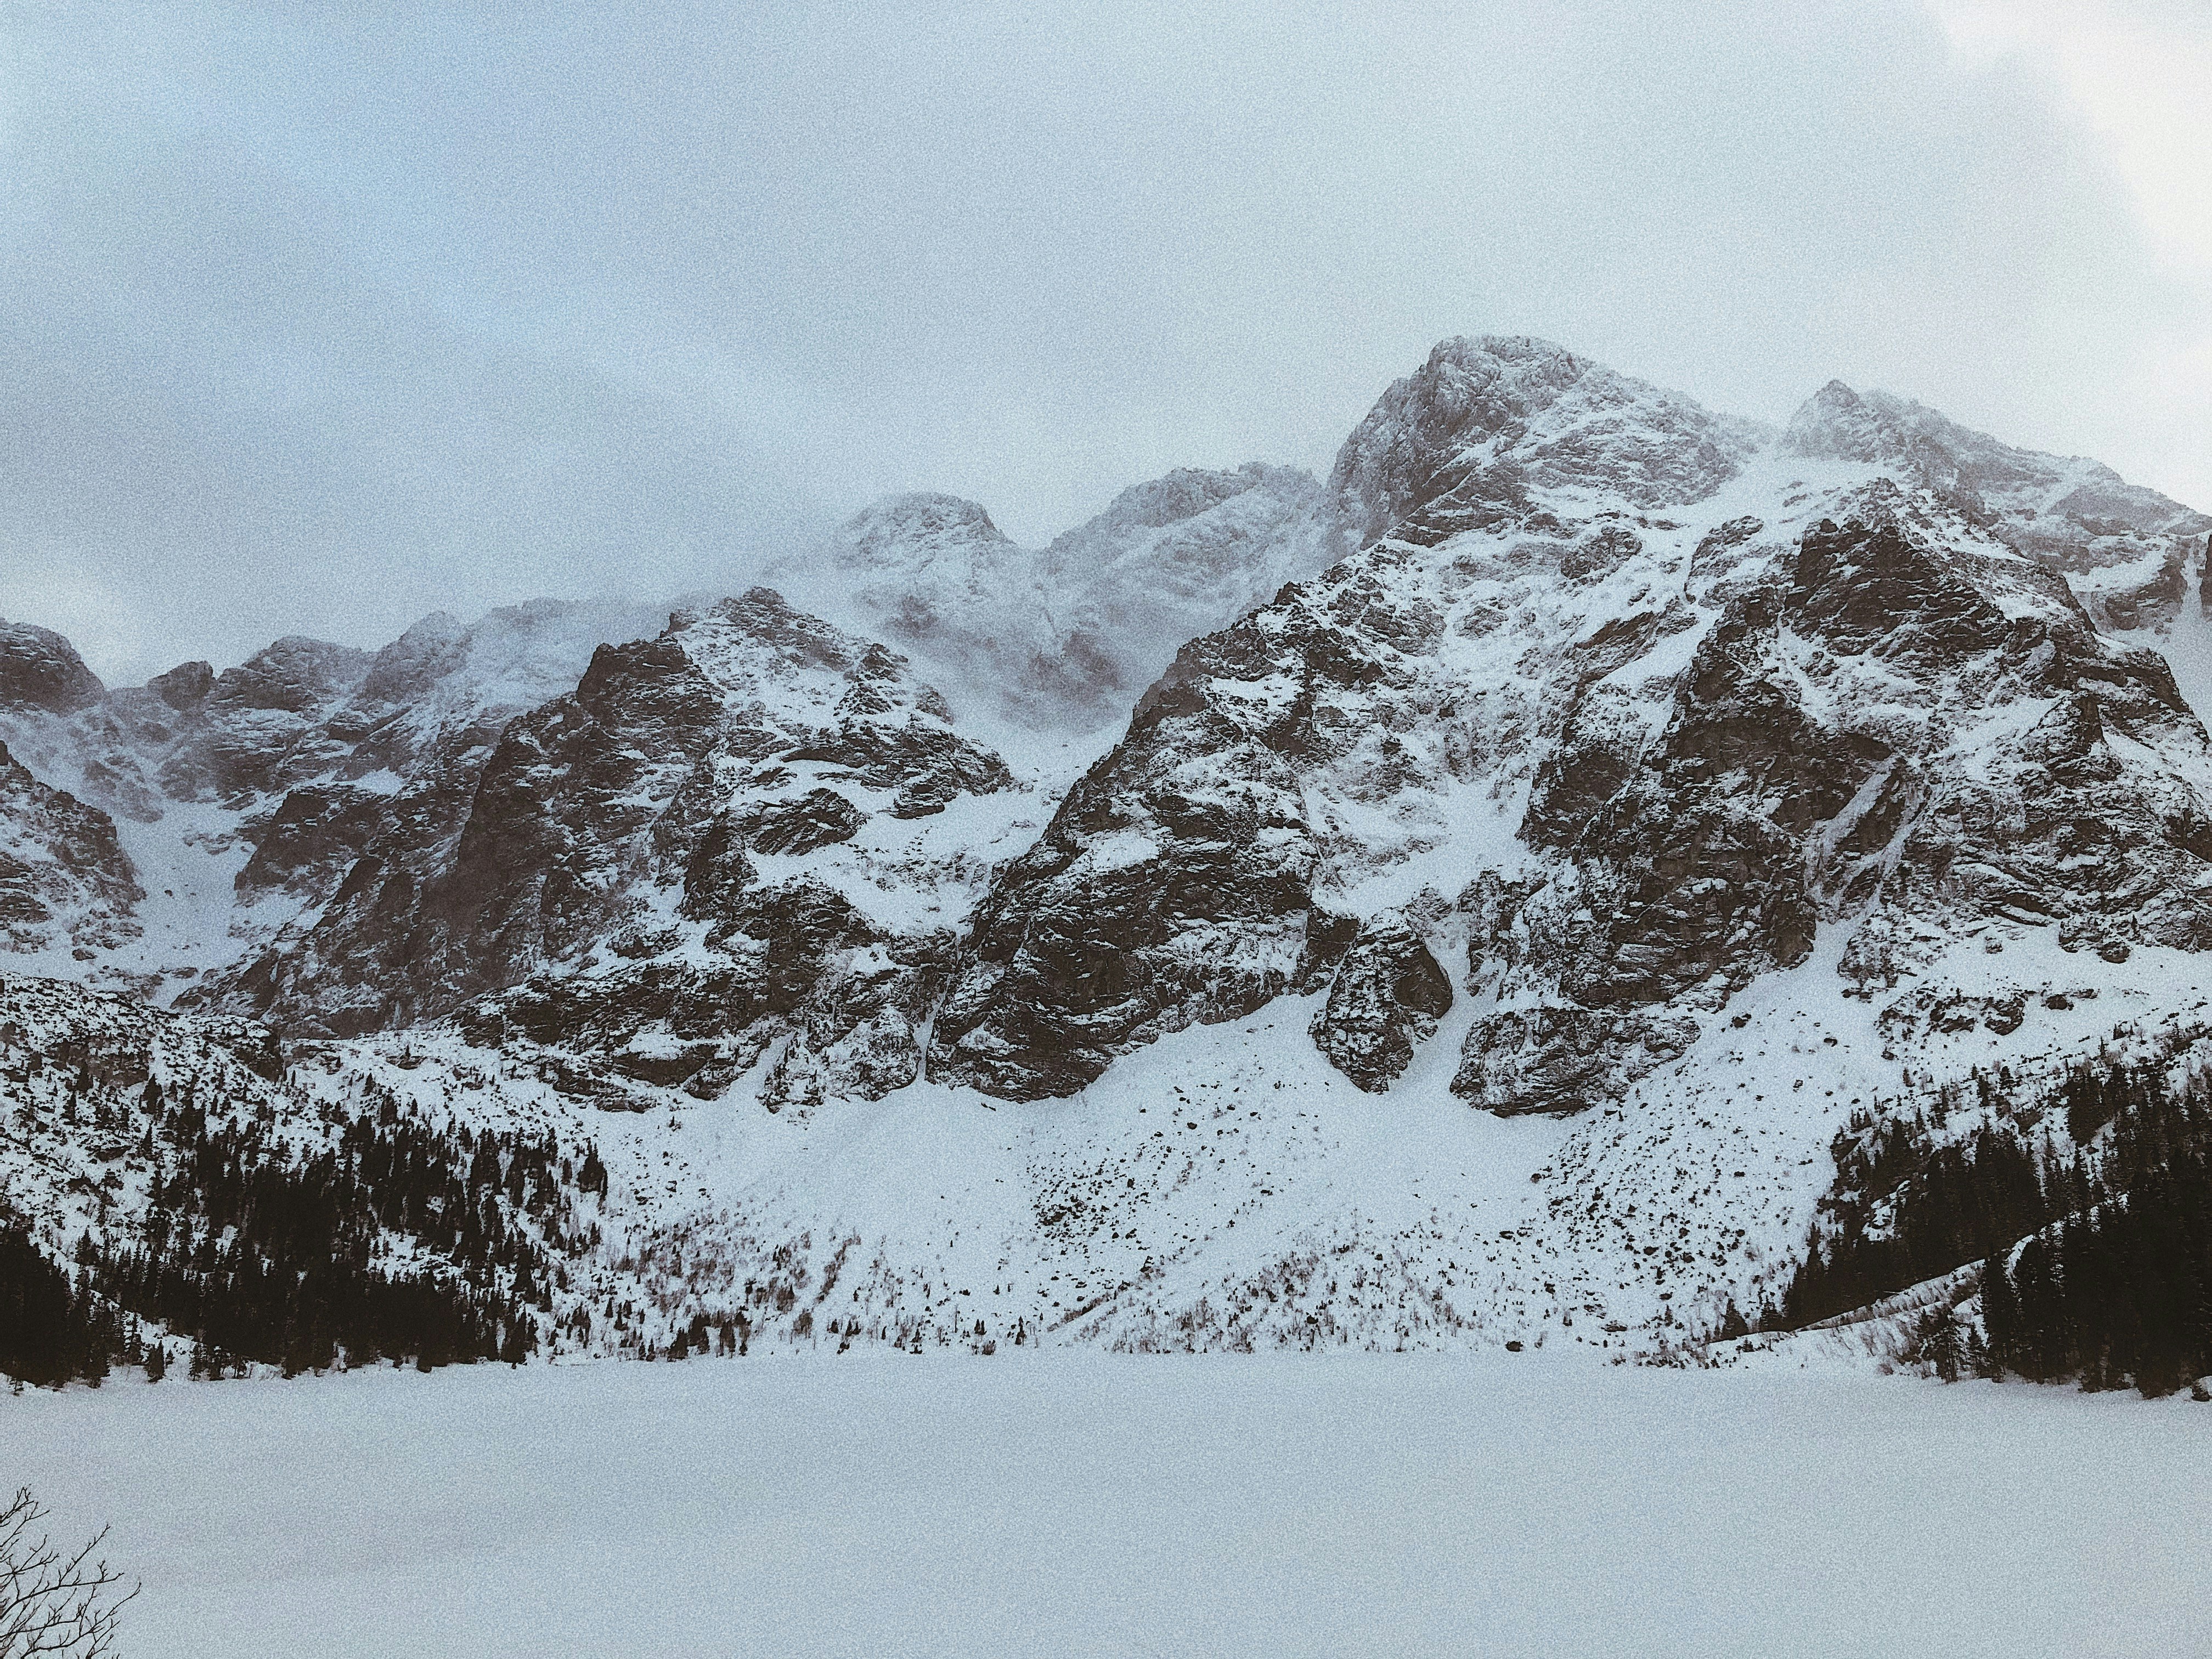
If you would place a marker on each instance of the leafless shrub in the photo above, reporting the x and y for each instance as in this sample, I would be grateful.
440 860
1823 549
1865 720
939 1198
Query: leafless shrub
52 1602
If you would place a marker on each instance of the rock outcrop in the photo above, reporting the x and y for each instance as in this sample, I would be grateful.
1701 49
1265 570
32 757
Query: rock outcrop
39 669
629 863
1385 997
65 885
1640 705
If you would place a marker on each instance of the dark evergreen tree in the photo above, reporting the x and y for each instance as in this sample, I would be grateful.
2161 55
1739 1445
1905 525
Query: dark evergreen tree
50 1330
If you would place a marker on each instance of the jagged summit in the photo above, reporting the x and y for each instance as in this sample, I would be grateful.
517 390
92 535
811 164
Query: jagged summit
918 526
41 670
1622 710
1064 638
2125 548
1461 438
1185 492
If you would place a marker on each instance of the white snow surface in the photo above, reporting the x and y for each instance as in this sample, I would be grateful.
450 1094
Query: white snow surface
1067 1506
1225 1188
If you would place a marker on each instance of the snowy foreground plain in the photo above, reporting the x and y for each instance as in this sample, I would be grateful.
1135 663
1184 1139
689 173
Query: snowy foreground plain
1079 1504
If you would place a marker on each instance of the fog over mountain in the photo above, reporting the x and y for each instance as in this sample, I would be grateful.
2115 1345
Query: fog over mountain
319 319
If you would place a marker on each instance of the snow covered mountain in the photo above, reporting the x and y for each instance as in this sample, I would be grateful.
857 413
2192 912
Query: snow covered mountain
1526 852
1066 636
752 826
233 800
1620 718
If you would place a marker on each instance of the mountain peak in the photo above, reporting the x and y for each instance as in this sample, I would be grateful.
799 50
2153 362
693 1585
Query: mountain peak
922 522
1498 413
40 669
1839 422
1173 496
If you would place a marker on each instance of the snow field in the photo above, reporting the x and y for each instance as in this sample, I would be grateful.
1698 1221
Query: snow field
1075 1505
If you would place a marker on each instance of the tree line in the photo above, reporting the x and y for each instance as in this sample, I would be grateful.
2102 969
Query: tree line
2095 1250
395 1240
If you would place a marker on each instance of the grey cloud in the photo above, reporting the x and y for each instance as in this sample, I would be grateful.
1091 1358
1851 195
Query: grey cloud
322 318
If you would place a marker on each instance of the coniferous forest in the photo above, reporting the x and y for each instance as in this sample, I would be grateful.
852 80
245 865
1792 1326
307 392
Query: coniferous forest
50 1331
2089 1208
393 1240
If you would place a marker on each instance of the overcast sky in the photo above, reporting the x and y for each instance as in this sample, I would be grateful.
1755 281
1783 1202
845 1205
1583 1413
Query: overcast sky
316 317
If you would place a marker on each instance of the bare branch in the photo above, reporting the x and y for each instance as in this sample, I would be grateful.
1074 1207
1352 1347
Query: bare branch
51 1603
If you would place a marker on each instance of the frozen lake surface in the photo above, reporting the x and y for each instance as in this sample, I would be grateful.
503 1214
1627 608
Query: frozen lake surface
1081 1504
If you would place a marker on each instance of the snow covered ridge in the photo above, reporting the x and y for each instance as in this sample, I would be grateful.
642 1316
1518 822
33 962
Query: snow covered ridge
1068 634
240 798
1619 749
1544 834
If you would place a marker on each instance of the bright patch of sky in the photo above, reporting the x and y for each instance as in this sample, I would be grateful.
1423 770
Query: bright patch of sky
2135 72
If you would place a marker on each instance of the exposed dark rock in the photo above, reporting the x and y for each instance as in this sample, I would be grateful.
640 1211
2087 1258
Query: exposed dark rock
1328 936
719 872
1386 998
2124 546
186 686
1563 1060
293 675
650 789
64 876
820 817
315 835
41 670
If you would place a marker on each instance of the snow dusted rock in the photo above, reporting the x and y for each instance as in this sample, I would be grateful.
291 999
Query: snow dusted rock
1335 741
1639 760
1657 703
640 855
41 670
252 792
935 577
1387 996
820 817
1459 443
2125 549
1907 740
1182 556
64 881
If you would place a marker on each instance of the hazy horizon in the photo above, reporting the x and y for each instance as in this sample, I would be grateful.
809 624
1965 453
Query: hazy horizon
322 320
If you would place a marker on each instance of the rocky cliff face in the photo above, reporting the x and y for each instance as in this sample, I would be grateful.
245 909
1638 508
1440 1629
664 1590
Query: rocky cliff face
669 863
1672 786
65 885
1484 421
40 671
1623 712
